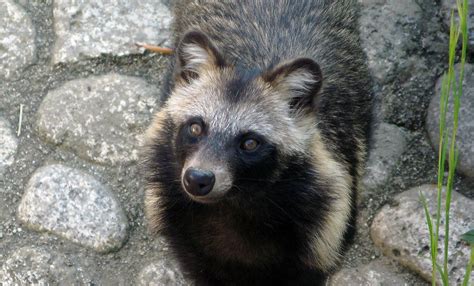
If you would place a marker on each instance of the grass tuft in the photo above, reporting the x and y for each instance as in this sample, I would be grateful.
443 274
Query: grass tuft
450 86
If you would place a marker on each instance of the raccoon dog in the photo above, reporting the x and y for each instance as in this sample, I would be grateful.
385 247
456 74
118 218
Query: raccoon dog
254 160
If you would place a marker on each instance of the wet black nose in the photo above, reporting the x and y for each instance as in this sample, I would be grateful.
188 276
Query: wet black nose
198 182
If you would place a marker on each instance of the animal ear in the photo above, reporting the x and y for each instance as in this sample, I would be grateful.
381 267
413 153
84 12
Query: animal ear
299 81
194 53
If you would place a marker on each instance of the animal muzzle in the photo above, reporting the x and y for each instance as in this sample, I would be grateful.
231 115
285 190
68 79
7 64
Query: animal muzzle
198 182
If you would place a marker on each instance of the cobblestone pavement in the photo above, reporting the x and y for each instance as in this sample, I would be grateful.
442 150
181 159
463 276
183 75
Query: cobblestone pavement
70 188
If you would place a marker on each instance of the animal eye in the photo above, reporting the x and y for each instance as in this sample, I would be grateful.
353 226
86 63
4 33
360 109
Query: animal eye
249 145
195 129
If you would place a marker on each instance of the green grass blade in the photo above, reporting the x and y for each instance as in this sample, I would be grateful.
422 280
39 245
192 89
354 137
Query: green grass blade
442 137
457 93
444 275
427 214
467 276
433 238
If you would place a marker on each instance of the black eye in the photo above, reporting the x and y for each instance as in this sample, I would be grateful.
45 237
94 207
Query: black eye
195 129
249 145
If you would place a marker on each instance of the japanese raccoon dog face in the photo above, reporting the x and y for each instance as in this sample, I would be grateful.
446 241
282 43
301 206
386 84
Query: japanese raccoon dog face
226 133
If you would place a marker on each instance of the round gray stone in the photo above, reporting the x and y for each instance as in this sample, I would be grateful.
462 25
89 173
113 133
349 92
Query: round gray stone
17 39
465 136
90 28
403 41
450 5
8 145
100 118
384 27
162 272
400 231
31 266
376 273
74 205
390 142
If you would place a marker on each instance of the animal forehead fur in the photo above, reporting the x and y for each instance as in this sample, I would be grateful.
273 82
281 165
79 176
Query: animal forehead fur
264 110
